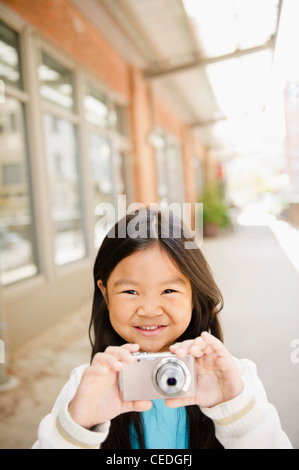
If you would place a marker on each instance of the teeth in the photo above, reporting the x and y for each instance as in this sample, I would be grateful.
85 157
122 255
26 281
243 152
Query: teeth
148 327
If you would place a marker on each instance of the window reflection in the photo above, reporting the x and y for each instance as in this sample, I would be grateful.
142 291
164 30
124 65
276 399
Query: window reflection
10 71
121 120
170 171
18 259
96 109
56 83
62 163
100 154
120 172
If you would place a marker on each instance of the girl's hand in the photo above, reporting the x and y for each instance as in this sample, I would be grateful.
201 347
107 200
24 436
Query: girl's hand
98 398
217 375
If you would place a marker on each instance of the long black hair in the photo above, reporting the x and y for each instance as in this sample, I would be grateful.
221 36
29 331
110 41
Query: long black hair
171 234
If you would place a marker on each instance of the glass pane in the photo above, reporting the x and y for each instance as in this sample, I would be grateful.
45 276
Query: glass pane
18 259
101 168
62 162
100 155
10 70
96 109
175 174
121 120
120 173
162 176
169 173
57 83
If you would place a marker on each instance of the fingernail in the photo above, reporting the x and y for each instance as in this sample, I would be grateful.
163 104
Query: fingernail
179 350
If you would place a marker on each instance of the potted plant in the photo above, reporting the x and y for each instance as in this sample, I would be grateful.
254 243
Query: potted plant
215 212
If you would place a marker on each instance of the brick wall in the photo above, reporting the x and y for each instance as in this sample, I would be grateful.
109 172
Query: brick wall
65 26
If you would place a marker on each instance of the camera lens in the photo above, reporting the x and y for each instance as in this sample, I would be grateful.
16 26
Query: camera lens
171 377
171 381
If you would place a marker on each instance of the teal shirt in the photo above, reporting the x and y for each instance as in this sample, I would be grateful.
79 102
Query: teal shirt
164 428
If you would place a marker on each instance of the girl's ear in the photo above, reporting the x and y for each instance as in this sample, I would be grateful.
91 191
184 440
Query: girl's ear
103 290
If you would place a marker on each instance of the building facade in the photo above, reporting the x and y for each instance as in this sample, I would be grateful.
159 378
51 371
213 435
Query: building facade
79 126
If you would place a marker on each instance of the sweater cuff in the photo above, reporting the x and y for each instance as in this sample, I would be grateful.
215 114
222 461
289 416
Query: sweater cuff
238 416
78 436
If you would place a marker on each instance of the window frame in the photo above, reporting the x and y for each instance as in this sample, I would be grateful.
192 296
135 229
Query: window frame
74 118
162 142
22 96
32 42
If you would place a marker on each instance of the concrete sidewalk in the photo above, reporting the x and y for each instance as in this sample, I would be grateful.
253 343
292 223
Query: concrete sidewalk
260 319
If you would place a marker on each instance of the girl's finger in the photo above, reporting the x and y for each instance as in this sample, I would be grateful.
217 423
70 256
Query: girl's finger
107 360
122 353
181 349
179 402
142 405
198 347
214 345
132 347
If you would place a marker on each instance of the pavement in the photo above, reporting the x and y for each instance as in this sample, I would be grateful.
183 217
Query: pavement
260 319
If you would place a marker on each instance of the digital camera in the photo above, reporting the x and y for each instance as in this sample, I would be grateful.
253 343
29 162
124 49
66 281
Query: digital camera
158 375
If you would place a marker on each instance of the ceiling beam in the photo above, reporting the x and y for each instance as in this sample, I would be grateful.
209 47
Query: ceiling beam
209 122
154 74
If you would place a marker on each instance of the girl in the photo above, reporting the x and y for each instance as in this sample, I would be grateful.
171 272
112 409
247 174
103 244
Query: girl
151 294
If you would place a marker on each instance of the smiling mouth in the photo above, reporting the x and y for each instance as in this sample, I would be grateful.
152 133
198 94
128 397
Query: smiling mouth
150 329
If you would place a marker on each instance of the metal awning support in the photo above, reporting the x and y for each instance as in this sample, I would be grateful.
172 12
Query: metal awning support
151 75
199 62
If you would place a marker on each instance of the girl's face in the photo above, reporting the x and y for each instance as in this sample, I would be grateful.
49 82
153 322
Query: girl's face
149 299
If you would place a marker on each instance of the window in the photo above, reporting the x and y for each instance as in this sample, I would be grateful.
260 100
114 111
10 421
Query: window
107 147
10 69
169 169
17 228
98 118
121 172
56 83
121 119
96 108
62 153
100 125
11 174
99 145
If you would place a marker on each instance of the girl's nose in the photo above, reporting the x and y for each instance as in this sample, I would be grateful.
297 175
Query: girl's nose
149 309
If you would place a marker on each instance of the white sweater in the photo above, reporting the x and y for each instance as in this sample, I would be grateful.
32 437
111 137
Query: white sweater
248 421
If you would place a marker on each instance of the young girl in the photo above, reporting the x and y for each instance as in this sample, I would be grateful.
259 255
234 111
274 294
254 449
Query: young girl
152 294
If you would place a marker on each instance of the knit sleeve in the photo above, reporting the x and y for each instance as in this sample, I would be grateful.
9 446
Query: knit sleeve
58 430
248 421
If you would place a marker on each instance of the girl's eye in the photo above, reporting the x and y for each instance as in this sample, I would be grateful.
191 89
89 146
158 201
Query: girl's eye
130 291
168 291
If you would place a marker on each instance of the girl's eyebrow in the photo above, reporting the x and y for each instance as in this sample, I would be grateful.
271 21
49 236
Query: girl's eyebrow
175 280
122 282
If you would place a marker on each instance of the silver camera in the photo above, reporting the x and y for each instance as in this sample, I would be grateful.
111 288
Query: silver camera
158 375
